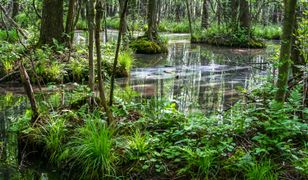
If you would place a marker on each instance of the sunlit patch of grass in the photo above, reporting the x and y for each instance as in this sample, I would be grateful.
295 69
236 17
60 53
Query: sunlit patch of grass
126 60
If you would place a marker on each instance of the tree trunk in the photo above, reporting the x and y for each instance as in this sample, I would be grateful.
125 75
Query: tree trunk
69 27
244 15
98 18
152 25
205 15
284 59
117 53
52 22
189 16
90 19
15 8
124 27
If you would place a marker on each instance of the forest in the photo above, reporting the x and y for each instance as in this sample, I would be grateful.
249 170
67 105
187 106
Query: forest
153 89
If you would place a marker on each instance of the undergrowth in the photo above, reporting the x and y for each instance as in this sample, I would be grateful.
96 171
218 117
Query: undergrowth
263 140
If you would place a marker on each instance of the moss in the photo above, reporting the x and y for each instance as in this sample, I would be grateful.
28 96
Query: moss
143 45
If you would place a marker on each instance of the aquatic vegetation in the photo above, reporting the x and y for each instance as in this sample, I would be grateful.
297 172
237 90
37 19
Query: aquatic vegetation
143 46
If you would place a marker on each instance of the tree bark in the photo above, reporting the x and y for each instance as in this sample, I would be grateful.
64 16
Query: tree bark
244 15
152 25
205 15
98 18
90 19
124 27
189 16
15 8
69 27
52 22
284 58
117 54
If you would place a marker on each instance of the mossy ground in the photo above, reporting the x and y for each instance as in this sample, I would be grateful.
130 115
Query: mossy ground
143 45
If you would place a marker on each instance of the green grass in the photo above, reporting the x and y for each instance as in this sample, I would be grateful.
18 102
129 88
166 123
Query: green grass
260 171
92 148
174 27
226 36
267 32
126 60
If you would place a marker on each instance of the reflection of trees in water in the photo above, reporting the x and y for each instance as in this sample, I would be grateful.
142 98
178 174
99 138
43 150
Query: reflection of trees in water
9 144
211 88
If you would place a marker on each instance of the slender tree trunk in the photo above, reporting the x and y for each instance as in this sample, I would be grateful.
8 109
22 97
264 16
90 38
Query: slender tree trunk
205 15
52 21
218 13
69 27
152 25
98 18
284 59
189 16
117 53
105 21
90 19
124 27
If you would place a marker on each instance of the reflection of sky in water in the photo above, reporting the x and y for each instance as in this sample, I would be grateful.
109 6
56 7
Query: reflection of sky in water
194 75
198 76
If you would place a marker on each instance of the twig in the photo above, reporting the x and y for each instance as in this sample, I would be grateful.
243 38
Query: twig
36 11
8 75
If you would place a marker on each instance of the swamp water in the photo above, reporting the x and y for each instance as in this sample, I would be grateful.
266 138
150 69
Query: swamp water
196 77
